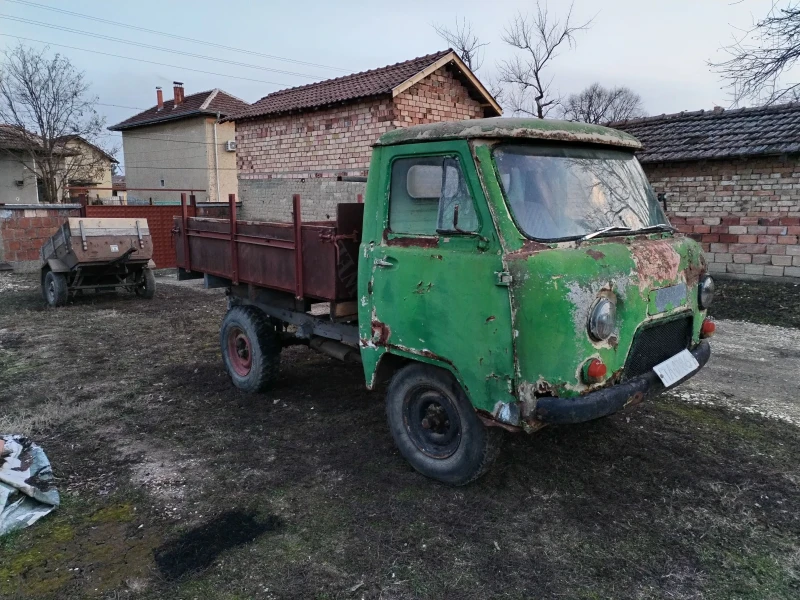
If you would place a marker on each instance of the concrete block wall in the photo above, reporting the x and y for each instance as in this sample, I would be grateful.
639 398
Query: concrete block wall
271 199
25 228
745 212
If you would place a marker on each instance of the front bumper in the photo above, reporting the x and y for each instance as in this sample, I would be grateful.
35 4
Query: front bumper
607 401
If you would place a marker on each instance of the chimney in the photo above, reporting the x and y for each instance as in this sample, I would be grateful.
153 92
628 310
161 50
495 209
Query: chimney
159 98
178 93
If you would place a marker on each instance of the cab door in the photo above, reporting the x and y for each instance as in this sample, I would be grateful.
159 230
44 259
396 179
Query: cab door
433 290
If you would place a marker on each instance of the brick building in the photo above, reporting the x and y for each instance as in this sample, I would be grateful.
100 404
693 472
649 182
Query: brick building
316 139
732 181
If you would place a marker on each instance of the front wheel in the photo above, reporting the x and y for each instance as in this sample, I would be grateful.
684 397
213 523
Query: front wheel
54 289
251 348
436 428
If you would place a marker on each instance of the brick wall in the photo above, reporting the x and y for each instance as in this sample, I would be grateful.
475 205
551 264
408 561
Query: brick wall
438 97
745 213
25 228
325 143
304 153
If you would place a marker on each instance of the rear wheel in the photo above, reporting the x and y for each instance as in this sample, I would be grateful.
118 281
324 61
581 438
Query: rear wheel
436 428
54 289
251 348
146 288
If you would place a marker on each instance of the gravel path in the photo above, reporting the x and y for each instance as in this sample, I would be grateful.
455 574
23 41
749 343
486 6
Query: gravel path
753 368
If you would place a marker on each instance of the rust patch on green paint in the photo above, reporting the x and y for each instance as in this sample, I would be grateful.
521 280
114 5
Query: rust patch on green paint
656 261
595 254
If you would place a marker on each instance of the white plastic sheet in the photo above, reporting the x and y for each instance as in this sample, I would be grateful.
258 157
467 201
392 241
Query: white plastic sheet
27 490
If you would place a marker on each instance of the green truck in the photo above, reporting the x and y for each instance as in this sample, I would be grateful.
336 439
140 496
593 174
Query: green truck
501 275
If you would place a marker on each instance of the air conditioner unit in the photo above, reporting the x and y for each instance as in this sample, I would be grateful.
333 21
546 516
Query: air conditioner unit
230 146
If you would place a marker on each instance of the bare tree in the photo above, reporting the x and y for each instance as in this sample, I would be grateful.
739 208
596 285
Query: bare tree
496 89
539 36
762 55
599 105
464 41
45 102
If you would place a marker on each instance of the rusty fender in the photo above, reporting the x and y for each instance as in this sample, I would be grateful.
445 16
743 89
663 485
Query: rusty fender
607 401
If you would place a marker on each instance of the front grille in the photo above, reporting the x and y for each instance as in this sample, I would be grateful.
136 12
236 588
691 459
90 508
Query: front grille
656 342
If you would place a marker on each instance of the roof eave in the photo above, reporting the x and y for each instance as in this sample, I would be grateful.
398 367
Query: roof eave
303 109
194 113
744 155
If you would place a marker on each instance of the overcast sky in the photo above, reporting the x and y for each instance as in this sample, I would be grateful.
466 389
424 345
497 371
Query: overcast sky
659 49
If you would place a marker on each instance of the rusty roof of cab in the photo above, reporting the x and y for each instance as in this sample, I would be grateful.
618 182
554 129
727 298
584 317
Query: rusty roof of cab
511 128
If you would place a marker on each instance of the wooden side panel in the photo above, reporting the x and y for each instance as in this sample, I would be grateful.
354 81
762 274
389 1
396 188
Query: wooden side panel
125 226
266 253
160 224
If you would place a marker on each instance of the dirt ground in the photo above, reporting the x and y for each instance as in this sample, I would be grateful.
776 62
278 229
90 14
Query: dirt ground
757 302
175 485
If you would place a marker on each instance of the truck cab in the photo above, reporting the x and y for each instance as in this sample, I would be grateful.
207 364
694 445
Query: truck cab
530 262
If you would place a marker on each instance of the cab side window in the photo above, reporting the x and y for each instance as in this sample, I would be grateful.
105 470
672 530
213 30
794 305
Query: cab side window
429 196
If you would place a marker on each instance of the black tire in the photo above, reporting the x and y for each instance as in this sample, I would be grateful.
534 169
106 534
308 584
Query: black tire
146 288
54 289
251 348
455 447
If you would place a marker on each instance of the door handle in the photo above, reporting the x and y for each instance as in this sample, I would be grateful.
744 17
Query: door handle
381 262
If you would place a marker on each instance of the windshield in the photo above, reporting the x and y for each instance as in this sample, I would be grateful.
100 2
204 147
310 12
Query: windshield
565 192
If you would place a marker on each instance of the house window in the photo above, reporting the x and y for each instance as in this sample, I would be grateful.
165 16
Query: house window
163 184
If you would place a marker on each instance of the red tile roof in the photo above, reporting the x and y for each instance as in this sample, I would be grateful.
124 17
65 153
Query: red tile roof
14 138
203 103
350 88
717 133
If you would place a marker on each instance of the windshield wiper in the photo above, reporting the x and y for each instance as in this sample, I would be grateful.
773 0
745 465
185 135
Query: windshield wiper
594 234
656 227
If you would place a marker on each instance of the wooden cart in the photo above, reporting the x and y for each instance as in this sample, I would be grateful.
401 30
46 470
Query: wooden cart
97 254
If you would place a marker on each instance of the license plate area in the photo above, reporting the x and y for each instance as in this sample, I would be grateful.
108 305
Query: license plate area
676 368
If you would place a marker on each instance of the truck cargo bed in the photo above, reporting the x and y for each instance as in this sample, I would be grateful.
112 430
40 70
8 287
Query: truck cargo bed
320 264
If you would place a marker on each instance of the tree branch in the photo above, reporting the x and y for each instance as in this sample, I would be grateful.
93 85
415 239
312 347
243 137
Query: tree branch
539 37
761 56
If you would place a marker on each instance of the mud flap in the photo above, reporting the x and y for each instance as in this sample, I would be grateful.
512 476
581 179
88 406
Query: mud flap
56 266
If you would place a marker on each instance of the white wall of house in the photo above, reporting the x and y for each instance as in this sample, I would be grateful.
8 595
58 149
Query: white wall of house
180 154
226 167
90 163
167 155
11 172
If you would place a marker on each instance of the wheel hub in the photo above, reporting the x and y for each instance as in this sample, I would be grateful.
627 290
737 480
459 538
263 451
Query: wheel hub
432 422
239 351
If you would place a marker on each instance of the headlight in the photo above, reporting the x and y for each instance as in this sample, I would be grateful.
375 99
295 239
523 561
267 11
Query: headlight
602 319
705 291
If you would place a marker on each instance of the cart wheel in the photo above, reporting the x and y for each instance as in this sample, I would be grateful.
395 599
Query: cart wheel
146 288
54 289
436 428
251 348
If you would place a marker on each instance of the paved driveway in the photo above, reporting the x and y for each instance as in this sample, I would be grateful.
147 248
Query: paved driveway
753 368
